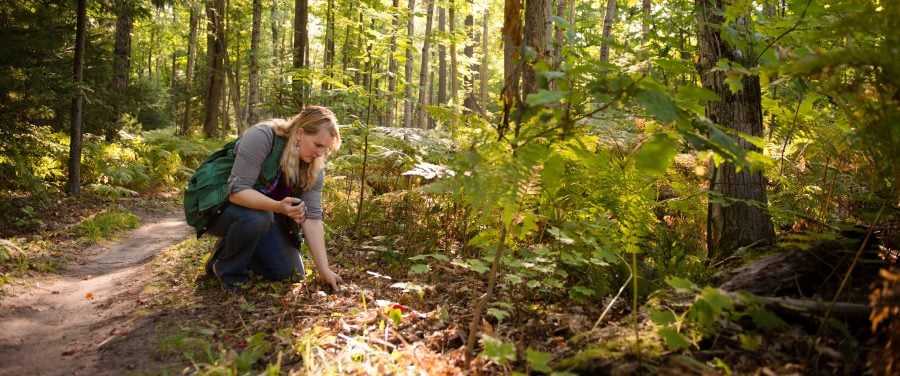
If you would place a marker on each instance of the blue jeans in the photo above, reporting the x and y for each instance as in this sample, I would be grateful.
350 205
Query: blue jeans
252 241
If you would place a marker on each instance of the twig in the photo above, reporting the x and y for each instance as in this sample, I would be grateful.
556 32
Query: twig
609 306
849 271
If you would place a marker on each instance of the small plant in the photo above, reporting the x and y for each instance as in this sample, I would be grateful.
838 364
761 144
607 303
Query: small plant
30 219
105 225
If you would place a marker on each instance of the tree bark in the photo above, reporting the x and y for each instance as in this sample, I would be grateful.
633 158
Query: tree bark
454 82
537 36
390 113
328 60
253 76
482 74
421 115
75 141
192 58
410 32
471 100
121 63
301 14
215 62
608 20
442 58
512 44
745 221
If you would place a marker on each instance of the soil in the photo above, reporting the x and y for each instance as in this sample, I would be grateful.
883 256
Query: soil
67 323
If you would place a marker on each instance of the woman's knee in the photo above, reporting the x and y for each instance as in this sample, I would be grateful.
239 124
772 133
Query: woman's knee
252 220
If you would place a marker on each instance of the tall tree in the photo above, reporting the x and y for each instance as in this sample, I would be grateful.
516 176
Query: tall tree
301 40
253 75
215 66
454 68
442 57
328 59
421 115
390 114
537 37
745 221
191 62
471 100
74 178
125 10
483 73
233 68
608 20
408 69
512 44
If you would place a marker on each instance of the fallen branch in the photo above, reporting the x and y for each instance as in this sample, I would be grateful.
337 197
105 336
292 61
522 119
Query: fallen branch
848 311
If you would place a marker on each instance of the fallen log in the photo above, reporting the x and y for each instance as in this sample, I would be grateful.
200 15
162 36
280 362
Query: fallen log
804 307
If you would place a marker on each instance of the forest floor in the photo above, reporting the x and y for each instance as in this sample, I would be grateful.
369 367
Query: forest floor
141 304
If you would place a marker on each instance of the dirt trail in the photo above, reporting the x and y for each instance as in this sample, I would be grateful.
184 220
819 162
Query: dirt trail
58 325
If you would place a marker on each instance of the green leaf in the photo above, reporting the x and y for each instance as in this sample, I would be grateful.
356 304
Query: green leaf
544 96
581 291
498 351
662 317
420 269
552 173
656 155
396 316
765 319
498 313
658 104
673 339
717 300
539 360
681 284
749 342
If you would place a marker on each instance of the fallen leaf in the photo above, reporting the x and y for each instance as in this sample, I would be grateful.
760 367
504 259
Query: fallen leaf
89 296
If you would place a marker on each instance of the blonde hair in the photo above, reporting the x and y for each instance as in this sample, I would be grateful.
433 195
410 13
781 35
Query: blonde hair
312 120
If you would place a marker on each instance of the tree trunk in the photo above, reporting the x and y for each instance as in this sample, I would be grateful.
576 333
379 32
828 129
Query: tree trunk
645 21
410 32
537 36
421 116
454 82
559 35
390 114
482 74
215 62
74 178
745 221
192 58
512 43
300 41
121 63
328 59
471 100
442 58
253 77
607 29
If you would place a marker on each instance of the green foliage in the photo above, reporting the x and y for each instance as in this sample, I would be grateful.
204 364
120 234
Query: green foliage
498 351
105 224
710 314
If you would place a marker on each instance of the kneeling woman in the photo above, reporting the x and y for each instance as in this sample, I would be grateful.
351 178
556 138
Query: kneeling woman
258 226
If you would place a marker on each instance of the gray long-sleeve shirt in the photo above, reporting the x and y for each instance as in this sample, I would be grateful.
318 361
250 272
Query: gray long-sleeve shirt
249 154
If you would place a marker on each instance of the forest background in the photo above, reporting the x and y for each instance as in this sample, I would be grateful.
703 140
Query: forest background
601 155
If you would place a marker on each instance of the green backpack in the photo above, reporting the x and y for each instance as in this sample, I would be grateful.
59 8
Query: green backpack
207 191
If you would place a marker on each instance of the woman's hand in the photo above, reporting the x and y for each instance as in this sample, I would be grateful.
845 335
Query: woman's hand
329 277
295 208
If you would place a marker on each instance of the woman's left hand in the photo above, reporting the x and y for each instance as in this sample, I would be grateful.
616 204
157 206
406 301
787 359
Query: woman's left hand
294 208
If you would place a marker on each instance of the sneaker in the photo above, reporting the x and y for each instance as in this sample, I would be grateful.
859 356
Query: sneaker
210 272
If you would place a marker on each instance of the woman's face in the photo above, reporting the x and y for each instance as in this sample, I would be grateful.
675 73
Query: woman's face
312 146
